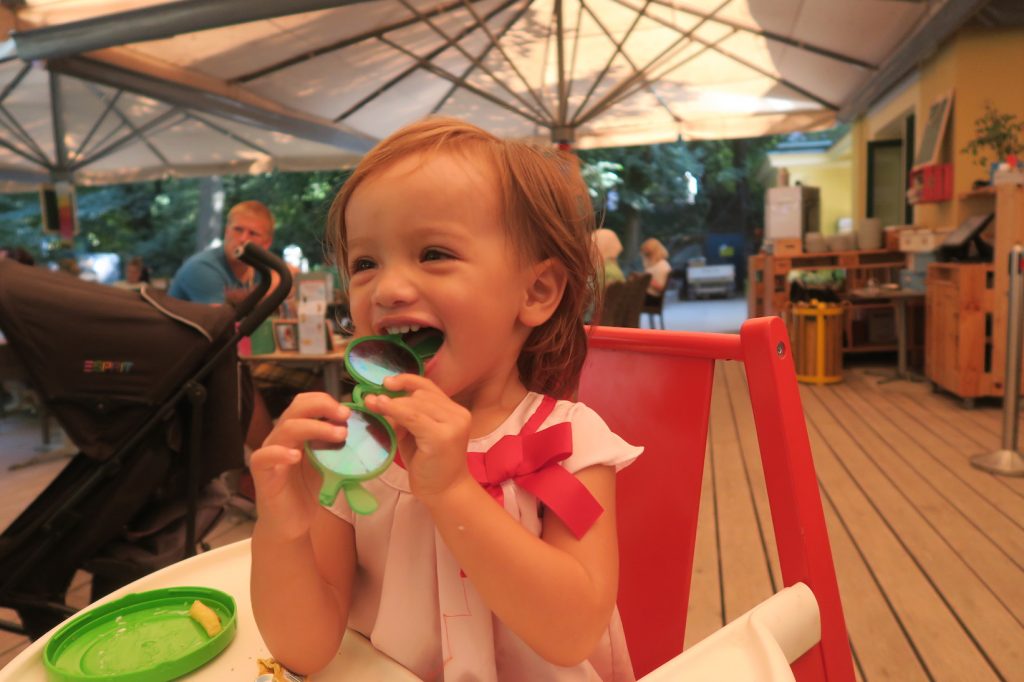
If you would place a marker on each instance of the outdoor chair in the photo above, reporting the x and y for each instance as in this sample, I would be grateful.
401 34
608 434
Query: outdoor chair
654 309
653 388
623 302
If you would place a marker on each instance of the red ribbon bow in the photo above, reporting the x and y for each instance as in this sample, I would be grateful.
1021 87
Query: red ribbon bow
530 459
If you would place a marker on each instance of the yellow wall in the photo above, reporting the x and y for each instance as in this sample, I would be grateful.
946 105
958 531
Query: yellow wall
834 181
830 171
978 65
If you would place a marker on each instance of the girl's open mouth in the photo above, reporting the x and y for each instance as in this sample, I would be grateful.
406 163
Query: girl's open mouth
425 341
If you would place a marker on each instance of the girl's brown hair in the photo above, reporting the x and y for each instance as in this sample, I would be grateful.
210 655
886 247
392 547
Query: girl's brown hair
547 214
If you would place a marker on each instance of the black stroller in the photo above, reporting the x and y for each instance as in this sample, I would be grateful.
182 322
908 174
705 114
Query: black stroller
148 389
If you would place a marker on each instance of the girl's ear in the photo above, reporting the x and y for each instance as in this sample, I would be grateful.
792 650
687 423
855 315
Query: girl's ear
544 288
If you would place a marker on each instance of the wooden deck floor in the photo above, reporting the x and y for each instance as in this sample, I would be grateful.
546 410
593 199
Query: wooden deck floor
929 551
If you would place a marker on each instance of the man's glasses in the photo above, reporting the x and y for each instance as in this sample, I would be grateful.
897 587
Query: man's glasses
370 446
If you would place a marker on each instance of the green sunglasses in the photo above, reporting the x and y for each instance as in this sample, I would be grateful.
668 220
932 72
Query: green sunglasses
370 446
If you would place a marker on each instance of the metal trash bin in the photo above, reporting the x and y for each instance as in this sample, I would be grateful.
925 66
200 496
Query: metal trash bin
816 336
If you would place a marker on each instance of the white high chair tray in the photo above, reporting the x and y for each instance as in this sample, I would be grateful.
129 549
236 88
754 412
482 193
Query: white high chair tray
226 569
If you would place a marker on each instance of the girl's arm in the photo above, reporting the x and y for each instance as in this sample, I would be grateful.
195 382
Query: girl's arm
301 590
303 557
556 592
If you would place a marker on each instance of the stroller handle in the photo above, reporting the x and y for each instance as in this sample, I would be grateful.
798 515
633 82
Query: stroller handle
254 308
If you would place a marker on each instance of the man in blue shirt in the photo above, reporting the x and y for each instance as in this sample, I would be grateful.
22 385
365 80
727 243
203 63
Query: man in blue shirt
215 275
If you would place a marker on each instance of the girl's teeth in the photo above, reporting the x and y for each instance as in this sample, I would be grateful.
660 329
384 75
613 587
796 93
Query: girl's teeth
403 329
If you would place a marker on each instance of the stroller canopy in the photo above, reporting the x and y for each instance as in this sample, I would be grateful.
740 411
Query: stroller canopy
95 350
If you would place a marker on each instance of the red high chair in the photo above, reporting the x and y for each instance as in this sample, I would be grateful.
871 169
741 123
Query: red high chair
653 388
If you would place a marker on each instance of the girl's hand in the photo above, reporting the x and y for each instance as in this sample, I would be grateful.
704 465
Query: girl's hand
284 504
433 433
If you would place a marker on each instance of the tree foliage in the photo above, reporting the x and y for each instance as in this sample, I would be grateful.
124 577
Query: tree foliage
654 198
157 220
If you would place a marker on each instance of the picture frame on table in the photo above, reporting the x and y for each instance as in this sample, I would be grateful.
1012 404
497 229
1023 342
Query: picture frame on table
286 335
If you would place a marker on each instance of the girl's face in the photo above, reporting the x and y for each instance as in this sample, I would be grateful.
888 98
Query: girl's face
427 248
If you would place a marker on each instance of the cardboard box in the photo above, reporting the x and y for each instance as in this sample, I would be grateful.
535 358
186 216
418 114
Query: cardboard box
790 212
922 240
787 247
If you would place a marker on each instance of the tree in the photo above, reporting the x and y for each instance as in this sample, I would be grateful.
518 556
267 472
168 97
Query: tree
654 191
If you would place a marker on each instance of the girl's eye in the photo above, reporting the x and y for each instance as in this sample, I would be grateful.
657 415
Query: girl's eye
360 264
435 254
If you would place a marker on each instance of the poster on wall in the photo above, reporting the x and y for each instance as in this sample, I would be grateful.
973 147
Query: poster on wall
59 210
930 147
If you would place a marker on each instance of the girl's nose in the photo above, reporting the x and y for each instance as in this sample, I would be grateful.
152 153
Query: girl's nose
393 288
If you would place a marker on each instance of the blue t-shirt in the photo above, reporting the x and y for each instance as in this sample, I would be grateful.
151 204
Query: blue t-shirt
203 278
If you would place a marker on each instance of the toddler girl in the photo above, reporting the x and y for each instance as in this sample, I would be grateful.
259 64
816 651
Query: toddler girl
492 555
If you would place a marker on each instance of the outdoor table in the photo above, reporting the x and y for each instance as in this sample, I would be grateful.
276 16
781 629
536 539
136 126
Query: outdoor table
332 364
227 569
899 298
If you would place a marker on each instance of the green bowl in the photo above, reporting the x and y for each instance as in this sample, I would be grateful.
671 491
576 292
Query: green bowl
143 637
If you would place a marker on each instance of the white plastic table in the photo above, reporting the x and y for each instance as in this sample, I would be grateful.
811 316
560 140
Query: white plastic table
226 569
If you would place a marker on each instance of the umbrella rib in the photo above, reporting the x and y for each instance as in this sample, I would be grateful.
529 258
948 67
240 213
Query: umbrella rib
563 96
474 60
483 55
629 92
96 125
23 154
145 140
224 131
125 139
433 53
616 95
8 121
341 44
575 52
14 82
529 115
807 47
618 50
740 60
100 143
57 120
495 42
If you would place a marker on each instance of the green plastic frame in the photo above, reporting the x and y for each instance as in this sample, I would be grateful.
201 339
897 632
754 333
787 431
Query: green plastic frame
334 482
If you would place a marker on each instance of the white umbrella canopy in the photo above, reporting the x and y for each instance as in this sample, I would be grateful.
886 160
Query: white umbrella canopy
110 136
591 72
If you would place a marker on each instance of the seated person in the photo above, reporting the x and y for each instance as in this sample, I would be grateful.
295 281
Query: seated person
655 257
215 275
608 247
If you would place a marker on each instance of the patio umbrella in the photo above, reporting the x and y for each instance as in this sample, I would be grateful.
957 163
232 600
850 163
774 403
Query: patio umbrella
55 126
589 72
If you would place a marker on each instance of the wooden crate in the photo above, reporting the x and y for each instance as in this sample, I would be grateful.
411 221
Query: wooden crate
967 304
959 318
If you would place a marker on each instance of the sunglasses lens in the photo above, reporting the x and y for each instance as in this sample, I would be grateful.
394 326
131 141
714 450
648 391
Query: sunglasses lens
376 360
365 450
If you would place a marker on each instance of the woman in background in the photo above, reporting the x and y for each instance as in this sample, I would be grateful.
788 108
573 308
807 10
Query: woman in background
655 257
608 248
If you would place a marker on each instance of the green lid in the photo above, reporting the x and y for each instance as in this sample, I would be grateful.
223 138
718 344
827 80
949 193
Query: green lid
144 637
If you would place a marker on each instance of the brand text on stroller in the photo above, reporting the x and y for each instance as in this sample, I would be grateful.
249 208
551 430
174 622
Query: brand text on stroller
107 366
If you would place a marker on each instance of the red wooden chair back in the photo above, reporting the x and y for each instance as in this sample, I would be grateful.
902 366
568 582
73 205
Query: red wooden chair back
653 388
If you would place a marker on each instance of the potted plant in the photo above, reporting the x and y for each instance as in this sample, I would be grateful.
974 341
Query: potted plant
996 138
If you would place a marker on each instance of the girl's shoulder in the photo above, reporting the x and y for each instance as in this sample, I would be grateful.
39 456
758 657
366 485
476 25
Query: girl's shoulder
593 442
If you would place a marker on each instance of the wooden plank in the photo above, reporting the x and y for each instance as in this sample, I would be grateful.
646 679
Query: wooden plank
979 549
920 426
982 612
745 576
704 610
945 647
743 420
881 648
